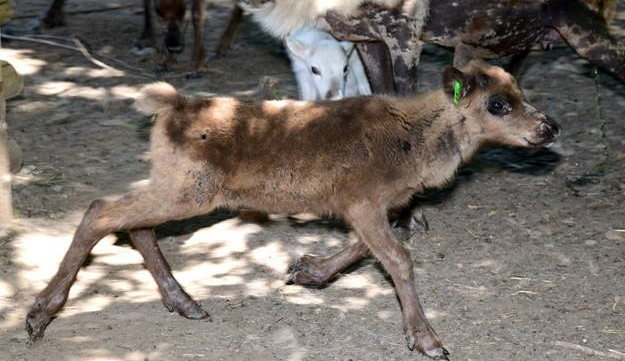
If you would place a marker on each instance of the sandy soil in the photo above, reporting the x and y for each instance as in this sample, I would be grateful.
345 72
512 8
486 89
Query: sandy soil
525 258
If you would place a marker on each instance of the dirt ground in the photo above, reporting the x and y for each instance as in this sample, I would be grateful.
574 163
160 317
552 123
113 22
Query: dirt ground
525 259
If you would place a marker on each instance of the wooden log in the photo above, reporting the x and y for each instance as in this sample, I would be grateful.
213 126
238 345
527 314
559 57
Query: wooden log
11 84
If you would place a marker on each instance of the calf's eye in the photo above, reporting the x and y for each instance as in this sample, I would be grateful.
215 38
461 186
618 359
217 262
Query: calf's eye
345 69
497 105
315 70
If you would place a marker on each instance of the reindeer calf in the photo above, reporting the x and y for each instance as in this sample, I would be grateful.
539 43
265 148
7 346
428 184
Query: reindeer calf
354 158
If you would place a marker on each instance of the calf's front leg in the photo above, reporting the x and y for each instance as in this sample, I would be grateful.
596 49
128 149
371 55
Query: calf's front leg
370 223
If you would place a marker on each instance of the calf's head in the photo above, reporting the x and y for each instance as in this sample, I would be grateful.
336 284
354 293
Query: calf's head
172 13
492 104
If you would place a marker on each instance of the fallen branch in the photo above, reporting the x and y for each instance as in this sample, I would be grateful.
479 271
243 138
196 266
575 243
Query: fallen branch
523 292
85 52
81 48
40 41
613 354
85 11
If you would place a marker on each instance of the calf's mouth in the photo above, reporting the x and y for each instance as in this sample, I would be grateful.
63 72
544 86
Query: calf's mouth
545 134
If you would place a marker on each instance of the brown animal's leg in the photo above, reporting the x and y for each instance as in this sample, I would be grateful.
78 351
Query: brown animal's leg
315 271
401 35
587 32
405 70
403 42
197 11
371 225
373 52
146 39
225 42
133 211
173 295
516 61
378 66
54 15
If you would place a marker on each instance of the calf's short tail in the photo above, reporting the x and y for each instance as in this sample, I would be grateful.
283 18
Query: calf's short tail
157 98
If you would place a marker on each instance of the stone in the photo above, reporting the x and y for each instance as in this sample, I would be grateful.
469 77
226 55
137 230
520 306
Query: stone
614 235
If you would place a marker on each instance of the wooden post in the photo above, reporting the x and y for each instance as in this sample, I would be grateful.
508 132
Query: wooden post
6 209
10 85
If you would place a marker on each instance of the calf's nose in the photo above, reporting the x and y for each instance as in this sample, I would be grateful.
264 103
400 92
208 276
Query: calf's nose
550 127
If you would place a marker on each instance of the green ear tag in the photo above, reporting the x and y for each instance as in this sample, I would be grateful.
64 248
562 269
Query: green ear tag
457 89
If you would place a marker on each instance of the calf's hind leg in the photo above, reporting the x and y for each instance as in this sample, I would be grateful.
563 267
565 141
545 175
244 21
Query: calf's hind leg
134 211
316 271
173 295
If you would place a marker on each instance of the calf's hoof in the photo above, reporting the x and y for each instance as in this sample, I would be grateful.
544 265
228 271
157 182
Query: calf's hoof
412 222
37 320
307 272
186 307
427 344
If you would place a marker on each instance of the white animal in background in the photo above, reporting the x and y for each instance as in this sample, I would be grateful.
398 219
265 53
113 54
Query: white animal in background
281 17
325 68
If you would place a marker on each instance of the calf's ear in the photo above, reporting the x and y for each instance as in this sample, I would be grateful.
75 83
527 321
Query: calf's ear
457 85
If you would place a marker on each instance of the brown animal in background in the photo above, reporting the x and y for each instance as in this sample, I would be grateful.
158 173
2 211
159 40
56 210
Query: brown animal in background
354 158
172 12
493 28
389 39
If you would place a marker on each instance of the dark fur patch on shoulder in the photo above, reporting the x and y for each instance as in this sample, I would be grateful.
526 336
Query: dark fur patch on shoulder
185 113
